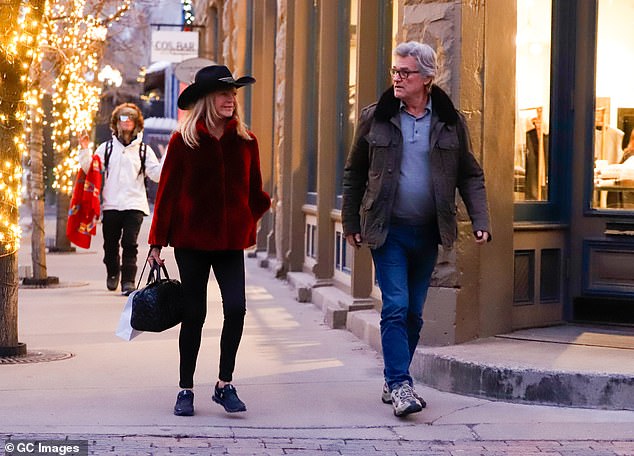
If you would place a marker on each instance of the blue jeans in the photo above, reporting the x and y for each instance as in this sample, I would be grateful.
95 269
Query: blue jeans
404 265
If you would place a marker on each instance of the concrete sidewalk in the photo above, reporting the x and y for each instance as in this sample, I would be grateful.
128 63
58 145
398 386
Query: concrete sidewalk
302 382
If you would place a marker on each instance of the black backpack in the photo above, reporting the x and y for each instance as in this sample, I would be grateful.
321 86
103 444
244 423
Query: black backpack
108 153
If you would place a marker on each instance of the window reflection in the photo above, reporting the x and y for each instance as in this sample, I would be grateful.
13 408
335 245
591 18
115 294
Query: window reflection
614 107
352 70
397 31
533 99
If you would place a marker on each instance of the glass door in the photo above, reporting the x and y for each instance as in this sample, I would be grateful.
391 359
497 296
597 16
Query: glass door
533 70
614 107
602 196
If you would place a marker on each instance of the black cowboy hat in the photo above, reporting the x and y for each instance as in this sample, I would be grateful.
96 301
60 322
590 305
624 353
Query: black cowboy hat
208 79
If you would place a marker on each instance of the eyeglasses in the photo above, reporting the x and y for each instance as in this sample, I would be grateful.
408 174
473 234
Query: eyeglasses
403 74
124 117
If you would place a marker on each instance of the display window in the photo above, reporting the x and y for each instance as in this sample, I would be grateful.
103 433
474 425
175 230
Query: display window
352 72
614 107
533 70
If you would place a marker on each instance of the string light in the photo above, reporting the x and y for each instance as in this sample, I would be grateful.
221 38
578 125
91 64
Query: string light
18 47
79 40
75 40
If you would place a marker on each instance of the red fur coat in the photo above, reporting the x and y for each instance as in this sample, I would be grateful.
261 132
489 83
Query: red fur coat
211 197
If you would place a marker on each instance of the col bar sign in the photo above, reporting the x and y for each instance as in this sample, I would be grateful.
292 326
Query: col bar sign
174 46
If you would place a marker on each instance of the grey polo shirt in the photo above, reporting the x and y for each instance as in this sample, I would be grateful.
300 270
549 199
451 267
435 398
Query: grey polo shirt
414 204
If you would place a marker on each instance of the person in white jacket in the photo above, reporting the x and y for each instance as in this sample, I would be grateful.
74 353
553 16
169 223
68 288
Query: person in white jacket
126 162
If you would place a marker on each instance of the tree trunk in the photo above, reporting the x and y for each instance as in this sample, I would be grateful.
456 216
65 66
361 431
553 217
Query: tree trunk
9 344
10 89
36 187
62 244
12 110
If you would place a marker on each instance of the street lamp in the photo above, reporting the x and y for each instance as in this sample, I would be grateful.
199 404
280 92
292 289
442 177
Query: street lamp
111 79
110 76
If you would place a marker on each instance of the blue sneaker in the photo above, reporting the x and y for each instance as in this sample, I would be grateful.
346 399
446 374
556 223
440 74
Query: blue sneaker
228 398
184 403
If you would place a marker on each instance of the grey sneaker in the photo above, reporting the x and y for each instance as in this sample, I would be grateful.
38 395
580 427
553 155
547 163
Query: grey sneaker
386 396
404 401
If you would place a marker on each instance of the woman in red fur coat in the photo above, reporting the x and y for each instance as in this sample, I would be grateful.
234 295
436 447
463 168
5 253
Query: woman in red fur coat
208 203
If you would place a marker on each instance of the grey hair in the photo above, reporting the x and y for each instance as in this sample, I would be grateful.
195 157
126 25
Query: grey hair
424 55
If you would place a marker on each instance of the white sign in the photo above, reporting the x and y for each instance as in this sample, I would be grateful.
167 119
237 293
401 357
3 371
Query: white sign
187 69
174 46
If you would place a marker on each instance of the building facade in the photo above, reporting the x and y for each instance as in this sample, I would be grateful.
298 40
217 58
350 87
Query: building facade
544 87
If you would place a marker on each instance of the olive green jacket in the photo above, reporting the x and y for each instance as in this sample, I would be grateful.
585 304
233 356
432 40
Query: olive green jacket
371 172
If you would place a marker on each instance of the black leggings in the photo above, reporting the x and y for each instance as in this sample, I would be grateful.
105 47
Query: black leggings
194 267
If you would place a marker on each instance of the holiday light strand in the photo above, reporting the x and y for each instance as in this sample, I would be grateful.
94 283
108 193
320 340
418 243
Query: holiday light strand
24 38
18 47
79 40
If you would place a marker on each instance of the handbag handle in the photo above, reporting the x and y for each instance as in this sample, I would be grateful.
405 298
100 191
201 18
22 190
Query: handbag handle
156 269
151 274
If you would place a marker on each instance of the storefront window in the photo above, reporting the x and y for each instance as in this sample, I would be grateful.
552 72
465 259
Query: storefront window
614 107
352 71
347 86
397 31
533 43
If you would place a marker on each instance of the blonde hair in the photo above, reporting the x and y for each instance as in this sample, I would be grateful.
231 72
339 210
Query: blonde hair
204 110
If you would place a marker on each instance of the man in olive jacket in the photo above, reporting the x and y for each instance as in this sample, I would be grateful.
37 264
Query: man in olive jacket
410 153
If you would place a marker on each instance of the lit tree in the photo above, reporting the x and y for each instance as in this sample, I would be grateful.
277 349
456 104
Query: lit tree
77 36
18 40
71 44
35 181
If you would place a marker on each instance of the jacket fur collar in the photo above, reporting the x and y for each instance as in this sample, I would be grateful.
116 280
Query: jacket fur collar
388 106
231 127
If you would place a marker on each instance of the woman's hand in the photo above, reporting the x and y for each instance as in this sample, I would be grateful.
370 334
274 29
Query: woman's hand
155 257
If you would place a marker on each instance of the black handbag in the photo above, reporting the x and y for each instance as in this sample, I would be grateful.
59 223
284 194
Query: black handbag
157 306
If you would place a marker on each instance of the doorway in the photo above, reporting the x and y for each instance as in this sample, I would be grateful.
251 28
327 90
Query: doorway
602 216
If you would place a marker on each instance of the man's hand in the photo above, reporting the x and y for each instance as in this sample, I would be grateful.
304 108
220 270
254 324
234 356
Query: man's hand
354 240
482 237
84 140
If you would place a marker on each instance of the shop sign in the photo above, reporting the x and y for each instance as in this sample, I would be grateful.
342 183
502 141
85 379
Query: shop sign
174 46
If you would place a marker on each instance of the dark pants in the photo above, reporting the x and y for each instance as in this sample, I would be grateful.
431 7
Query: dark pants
121 227
194 267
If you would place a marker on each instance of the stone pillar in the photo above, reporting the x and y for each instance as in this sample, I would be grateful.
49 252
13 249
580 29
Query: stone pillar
299 78
282 131
368 88
487 88
477 70
262 108
326 138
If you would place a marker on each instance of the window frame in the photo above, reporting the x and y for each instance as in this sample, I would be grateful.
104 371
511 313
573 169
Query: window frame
556 209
